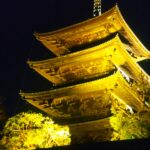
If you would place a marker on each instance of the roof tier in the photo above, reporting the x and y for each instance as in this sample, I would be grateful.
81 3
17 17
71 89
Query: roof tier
61 41
87 100
97 61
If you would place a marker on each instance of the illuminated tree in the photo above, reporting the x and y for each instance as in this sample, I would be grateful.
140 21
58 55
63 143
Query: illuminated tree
129 125
136 126
33 130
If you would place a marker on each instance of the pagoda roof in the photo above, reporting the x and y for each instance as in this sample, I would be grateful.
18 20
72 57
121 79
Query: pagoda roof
93 62
61 41
114 85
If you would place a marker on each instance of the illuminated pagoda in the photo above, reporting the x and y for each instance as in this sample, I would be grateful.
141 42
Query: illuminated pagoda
95 67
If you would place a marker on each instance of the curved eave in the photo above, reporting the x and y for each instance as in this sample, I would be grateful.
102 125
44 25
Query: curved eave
68 30
80 58
113 51
138 48
75 89
114 84
51 39
60 41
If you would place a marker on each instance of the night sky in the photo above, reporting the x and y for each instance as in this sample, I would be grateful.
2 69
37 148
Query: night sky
19 19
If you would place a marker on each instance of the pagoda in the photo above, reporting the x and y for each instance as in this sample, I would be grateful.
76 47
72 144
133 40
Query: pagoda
96 66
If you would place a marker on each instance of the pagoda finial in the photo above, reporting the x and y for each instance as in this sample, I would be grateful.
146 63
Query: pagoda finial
97 8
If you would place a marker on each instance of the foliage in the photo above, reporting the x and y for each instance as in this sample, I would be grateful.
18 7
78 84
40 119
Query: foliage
33 130
143 89
130 126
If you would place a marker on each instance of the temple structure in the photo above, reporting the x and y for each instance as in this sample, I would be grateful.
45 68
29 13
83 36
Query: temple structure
96 66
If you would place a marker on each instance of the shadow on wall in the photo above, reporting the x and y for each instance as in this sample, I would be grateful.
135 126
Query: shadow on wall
91 131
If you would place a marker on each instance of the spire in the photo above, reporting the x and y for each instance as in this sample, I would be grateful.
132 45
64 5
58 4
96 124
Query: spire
97 8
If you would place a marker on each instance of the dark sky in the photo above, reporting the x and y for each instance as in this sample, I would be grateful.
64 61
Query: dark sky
19 19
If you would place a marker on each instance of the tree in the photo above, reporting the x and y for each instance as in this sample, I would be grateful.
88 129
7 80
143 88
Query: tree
32 130
127 125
